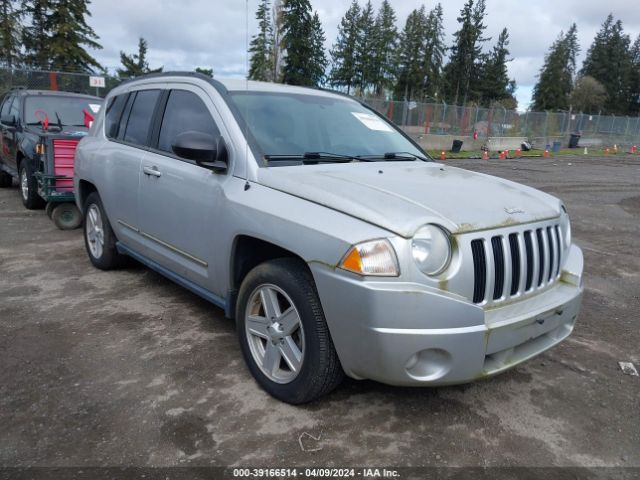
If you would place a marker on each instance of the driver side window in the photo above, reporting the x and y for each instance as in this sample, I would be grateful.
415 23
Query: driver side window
185 112
6 106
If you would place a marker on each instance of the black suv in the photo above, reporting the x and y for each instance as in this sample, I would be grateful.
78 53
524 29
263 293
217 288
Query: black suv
28 119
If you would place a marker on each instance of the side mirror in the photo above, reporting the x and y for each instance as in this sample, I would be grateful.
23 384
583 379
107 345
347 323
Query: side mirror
8 120
205 149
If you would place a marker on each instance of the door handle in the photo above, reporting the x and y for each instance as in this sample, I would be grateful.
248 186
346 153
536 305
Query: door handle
152 171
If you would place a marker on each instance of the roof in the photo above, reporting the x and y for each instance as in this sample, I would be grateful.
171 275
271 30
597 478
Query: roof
57 93
228 84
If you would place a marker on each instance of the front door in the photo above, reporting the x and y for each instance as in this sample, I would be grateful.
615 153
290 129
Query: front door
8 147
179 200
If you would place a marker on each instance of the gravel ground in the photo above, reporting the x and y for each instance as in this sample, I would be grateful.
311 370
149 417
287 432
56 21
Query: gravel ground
127 368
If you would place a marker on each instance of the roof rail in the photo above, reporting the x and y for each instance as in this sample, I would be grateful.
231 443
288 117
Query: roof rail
18 87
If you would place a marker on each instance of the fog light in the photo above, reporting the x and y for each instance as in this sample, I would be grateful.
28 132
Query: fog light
429 364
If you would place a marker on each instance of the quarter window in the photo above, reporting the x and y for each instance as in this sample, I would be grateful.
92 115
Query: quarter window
185 112
6 106
141 116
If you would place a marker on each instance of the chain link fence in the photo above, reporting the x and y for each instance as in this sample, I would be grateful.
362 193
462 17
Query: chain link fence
418 119
541 128
47 80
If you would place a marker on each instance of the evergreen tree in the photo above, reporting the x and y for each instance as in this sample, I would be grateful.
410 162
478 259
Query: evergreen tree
634 103
205 71
302 40
343 52
495 84
261 48
136 64
36 35
69 35
386 43
434 50
463 70
365 48
10 44
318 61
555 80
609 60
410 60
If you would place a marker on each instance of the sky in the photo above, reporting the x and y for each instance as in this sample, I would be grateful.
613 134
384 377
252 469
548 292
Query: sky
186 34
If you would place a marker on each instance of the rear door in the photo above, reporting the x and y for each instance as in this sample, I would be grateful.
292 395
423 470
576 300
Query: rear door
179 200
128 123
8 147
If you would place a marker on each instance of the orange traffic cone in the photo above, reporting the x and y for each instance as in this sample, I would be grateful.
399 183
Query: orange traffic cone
518 153
506 153
635 149
443 156
606 152
546 153
485 155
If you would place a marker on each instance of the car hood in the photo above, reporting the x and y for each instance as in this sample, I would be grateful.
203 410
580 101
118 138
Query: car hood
402 197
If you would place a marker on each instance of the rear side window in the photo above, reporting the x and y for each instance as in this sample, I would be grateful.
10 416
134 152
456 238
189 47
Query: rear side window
141 117
184 112
113 115
15 108
6 106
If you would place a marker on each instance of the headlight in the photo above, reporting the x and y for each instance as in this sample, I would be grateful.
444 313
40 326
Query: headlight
431 249
565 227
376 257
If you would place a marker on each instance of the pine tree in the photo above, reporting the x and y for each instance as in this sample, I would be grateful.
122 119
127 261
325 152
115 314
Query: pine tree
10 44
205 71
609 60
343 52
555 80
495 84
365 48
434 50
69 35
634 103
261 48
318 61
463 70
136 64
386 43
36 36
411 74
302 40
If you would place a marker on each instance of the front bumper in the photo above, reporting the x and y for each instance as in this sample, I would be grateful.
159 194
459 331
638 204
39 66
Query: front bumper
409 334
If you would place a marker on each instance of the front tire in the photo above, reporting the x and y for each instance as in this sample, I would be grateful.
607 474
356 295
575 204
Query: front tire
29 188
283 334
99 239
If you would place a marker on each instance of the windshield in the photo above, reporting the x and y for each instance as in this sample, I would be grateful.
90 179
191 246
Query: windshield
70 110
294 124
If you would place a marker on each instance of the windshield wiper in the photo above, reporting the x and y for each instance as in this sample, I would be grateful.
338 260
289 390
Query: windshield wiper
312 158
394 156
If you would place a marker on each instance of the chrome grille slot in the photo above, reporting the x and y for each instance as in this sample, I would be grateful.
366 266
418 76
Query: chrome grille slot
479 270
516 263
498 262
529 248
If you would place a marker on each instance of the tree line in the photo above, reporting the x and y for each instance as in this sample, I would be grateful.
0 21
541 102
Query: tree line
55 35
370 56
608 82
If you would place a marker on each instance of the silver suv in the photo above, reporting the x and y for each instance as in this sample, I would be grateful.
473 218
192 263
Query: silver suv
330 237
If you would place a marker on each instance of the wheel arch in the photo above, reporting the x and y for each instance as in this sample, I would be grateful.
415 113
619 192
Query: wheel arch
85 188
247 253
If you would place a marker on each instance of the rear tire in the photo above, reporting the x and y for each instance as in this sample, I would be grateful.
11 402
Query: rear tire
99 239
66 216
6 180
293 326
29 188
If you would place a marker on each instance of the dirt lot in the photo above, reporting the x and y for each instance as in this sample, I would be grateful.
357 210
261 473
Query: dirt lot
126 368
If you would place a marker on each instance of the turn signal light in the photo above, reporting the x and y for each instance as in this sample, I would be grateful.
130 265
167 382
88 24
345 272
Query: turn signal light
375 257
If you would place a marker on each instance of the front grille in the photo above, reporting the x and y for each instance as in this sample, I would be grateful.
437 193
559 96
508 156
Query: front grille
515 263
